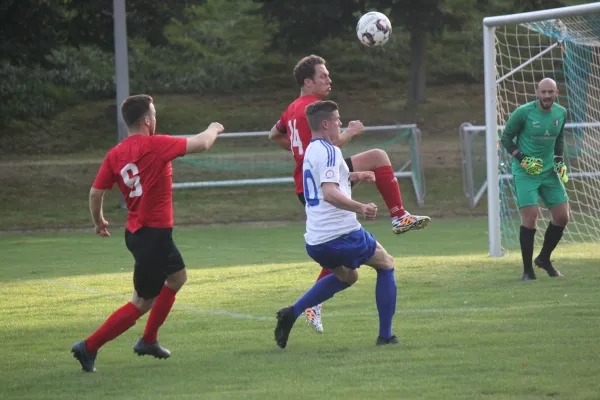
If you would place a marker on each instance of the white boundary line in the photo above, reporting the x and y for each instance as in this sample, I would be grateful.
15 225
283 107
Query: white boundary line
235 315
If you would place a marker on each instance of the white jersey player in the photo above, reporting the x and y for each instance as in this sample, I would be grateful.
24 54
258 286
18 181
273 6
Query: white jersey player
323 163
334 237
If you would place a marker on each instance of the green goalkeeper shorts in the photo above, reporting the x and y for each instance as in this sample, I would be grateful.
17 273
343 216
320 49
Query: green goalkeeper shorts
546 186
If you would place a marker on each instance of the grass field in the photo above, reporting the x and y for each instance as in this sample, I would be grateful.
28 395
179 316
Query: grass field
470 328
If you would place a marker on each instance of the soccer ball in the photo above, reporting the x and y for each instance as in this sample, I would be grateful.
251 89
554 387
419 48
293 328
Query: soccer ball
373 29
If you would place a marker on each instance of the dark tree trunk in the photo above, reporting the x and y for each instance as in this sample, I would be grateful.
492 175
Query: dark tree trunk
416 79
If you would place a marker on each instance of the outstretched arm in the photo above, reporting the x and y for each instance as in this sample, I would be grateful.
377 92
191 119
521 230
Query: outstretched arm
355 128
204 140
367 176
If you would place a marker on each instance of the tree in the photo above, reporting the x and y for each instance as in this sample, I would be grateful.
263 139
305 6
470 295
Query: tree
423 18
92 20
30 29
302 24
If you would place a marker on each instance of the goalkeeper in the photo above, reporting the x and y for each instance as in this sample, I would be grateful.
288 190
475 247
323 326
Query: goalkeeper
534 137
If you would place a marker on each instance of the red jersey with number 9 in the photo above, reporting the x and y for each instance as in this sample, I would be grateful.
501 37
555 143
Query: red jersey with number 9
293 122
141 167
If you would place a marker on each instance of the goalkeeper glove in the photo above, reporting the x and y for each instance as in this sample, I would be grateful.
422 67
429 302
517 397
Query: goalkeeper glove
561 169
532 165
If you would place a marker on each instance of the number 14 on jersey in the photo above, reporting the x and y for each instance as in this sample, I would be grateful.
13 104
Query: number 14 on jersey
295 138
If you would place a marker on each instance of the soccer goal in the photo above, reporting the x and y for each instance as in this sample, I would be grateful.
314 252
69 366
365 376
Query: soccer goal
520 50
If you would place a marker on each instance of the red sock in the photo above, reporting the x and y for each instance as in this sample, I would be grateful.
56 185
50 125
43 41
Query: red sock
159 313
323 274
388 187
121 320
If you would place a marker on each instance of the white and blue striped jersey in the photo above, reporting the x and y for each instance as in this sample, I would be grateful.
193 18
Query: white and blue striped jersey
323 162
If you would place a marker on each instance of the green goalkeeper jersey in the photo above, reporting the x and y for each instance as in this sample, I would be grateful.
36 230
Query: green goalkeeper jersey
535 133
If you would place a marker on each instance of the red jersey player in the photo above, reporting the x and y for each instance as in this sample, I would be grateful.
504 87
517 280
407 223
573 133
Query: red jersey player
292 133
141 167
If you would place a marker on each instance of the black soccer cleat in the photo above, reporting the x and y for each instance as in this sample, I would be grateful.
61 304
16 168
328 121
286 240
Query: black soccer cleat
391 340
86 358
528 276
142 348
285 323
546 265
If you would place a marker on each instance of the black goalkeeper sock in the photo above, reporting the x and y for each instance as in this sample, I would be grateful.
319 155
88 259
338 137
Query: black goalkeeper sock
526 238
551 238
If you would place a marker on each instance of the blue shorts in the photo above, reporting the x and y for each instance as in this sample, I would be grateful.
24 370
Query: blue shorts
351 250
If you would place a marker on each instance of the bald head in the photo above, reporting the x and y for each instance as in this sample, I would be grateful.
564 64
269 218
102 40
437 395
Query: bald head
547 83
546 93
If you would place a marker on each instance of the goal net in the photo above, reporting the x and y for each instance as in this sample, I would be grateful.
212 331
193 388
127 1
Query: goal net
563 44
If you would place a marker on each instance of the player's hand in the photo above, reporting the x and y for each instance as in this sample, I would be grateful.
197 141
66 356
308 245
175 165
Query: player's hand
101 228
561 169
217 127
532 165
369 211
355 128
367 176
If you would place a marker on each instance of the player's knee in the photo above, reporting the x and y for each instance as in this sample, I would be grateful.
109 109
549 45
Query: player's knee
381 157
177 280
390 261
529 221
561 220
352 278
387 261
144 305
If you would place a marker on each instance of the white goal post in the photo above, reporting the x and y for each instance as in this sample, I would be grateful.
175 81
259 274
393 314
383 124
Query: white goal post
520 49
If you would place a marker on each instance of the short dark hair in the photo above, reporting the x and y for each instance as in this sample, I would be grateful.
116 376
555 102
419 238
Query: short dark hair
134 108
306 68
319 112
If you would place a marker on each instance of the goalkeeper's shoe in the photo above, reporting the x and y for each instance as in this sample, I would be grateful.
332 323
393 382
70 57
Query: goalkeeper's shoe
532 165
546 265
313 318
561 169
409 222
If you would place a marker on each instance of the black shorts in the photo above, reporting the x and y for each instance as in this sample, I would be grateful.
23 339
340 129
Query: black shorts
156 257
350 167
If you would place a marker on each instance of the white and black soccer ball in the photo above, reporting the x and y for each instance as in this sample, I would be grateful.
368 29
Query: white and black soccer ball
373 29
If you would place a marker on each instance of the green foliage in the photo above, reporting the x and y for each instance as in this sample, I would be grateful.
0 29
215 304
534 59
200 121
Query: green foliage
218 46
302 25
65 55
31 29
456 55
349 59
29 92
